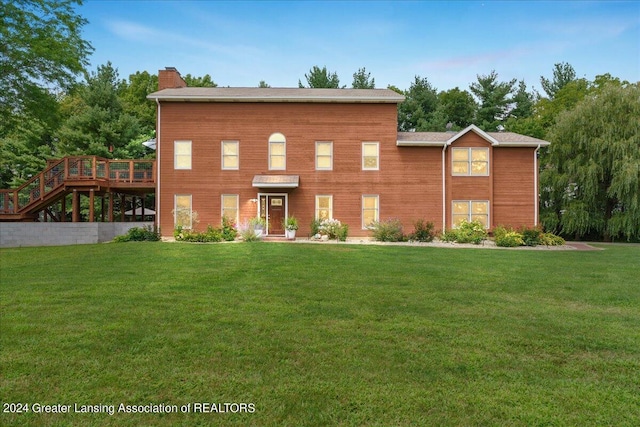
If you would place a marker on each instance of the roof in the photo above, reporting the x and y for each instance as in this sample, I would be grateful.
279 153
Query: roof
276 181
440 139
239 94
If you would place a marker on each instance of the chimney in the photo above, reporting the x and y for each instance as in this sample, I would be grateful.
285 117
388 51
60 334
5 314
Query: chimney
170 78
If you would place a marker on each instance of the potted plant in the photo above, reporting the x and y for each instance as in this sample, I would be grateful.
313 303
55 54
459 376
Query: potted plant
258 225
290 226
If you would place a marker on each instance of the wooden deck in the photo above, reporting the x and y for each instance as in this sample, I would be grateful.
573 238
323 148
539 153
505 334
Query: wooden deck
89 175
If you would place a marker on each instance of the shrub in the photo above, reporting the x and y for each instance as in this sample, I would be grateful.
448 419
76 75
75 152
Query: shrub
229 231
388 231
467 232
315 227
423 231
509 239
212 234
531 236
138 234
550 239
332 228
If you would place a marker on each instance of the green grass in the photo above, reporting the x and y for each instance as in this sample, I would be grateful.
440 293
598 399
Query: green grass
323 335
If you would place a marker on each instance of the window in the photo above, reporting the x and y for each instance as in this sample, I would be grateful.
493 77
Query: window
277 152
230 155
470 210
182 154
230 207
182 211
324 207
370 210
370 156
324 155
470 161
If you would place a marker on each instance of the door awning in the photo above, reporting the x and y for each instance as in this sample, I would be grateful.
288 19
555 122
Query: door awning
276 181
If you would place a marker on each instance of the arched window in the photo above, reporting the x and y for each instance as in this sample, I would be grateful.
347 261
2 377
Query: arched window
277 152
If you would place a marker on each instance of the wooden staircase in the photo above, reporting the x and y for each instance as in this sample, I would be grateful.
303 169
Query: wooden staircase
76 175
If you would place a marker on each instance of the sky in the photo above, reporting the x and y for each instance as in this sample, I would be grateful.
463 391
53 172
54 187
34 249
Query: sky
240 43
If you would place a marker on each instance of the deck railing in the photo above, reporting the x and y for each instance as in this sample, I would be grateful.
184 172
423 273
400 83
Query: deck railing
75 169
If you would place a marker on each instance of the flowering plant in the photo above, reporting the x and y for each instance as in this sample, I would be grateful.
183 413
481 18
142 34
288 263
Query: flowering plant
333 229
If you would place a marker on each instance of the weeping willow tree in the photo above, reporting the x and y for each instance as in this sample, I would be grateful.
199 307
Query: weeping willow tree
591 181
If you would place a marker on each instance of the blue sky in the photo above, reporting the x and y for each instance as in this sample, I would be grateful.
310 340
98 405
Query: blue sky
240 43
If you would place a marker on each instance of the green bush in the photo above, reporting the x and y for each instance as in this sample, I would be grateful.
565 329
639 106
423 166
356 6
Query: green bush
139 234
212 234
423 231
531 236
467 232
550 239
229 231
509 239
388 231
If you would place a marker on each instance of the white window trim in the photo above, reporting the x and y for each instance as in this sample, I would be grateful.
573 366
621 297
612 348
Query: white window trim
470 214
175 155
222 155
222 196
377 144
377 217
470 161
330 205
330 156
175 210
275 139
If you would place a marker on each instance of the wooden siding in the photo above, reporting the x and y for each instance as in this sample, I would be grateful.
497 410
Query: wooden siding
408 182
513 198
468 187
405 181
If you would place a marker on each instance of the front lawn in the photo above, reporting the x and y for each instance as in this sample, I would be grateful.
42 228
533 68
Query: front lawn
320 335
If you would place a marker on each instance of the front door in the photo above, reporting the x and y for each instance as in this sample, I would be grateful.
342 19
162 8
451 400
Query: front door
276 214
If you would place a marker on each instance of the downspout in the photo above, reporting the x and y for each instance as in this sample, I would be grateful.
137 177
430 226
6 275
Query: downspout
535 186
158 166
444 198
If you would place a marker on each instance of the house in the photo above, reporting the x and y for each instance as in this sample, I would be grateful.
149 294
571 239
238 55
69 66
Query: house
329 153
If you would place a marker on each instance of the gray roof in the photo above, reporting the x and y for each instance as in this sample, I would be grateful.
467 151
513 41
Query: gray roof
439 139
244 94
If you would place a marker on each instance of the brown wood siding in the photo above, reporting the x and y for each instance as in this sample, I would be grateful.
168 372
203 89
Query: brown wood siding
405 183
513 202
468 187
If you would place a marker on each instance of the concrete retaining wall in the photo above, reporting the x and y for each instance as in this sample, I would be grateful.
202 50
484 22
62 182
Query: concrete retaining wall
16 234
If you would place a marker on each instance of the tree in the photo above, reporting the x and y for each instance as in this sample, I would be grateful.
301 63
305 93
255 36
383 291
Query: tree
417 111
563 73
134 98
41 53
320 78
96 122
494 100
263 84
457 107
205 81
591 182
363 80
41 50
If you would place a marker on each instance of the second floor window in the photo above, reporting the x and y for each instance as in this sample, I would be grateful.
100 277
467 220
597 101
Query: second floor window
370 156
324 155
230 155
182 154
470 161
277 152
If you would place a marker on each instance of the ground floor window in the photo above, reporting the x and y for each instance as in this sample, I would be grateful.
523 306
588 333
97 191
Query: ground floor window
230 207
182 211
470 210
370 210
324 207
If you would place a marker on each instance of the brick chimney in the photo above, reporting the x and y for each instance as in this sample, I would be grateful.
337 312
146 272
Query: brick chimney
170 78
